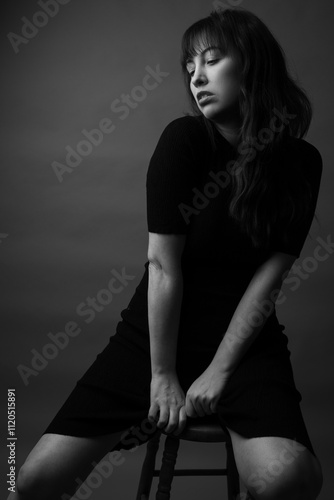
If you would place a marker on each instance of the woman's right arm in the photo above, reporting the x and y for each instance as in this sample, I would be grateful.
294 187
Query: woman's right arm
165 292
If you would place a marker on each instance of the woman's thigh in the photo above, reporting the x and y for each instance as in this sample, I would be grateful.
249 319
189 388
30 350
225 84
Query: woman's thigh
276 468
59 463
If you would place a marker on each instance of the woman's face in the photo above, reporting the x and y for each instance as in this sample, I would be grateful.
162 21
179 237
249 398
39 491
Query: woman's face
215 73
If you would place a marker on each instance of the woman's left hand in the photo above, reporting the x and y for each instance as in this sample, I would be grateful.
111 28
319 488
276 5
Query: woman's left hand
203 395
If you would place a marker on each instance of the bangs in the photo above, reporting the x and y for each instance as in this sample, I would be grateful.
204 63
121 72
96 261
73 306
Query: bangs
201 35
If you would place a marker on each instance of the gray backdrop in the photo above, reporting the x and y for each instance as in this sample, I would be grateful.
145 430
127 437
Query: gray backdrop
65 226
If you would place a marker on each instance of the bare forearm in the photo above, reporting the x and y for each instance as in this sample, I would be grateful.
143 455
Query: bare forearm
164 305
251 314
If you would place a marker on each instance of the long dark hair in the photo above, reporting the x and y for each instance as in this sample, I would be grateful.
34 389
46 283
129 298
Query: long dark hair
260 193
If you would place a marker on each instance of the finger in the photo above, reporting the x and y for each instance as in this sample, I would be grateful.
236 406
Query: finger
163 417
182 420
173 420
190 410
153 413
208 410
206 406
213 406
199 409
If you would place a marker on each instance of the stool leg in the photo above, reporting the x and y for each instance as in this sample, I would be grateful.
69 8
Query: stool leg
233 484
167 468
147 470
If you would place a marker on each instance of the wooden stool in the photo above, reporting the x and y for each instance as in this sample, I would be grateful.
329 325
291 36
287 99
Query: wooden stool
206 430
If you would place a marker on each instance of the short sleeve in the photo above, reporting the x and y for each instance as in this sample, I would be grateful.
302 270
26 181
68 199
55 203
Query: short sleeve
290 239
173 172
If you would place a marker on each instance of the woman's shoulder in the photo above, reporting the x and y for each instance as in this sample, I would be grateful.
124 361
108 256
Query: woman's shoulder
304 156
303 149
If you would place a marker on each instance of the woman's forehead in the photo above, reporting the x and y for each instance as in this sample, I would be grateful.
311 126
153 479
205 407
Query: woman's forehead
204 41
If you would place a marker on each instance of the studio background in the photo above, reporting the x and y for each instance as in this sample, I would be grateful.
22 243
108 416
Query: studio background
59 241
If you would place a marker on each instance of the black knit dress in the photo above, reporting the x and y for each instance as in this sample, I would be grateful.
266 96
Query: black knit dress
187 185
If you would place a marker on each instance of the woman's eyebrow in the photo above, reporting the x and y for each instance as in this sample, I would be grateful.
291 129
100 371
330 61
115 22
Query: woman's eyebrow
190 59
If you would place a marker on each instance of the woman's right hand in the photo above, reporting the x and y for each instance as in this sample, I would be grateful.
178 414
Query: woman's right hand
167 403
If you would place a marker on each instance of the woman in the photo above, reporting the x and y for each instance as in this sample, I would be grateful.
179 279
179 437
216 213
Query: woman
231 194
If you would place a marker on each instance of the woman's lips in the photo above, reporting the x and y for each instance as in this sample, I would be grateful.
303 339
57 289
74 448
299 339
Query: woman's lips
204 99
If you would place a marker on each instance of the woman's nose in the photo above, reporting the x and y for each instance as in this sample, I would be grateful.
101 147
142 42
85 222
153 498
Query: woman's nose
198 78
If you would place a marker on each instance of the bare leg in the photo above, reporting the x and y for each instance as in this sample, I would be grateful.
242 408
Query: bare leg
275 468
54 464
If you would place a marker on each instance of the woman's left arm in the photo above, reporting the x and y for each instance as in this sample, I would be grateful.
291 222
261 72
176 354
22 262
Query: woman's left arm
252 312
254 308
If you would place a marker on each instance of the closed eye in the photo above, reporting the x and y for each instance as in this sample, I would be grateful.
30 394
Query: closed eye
209 61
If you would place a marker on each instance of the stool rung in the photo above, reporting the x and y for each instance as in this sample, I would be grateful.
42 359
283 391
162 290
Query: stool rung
195 472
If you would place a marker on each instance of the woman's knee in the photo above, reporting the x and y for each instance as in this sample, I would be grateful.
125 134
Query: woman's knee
32 482
275 468
37 481
291 481
56 463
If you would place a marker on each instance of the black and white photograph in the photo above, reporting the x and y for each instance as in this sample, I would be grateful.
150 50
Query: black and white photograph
167 250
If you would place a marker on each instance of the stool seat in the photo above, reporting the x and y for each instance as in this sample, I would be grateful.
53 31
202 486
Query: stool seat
205 429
